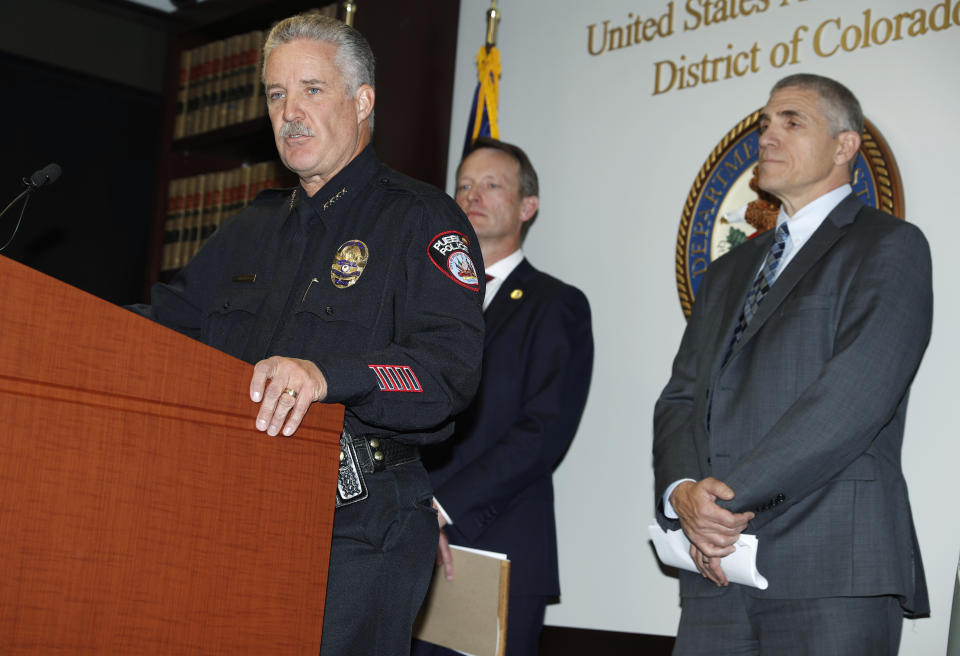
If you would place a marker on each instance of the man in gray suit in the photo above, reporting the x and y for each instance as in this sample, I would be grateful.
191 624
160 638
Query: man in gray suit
784 413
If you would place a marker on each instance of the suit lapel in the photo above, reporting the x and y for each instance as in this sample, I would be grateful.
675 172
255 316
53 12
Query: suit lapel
822 240
745 271
502 305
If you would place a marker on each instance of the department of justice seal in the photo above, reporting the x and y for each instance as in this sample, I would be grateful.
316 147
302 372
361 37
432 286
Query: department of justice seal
348 263
725 208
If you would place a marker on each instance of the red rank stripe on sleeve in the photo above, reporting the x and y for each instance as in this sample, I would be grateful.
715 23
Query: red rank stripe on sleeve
396 378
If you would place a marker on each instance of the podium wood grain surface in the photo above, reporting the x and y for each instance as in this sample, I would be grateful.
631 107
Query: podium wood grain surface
140 511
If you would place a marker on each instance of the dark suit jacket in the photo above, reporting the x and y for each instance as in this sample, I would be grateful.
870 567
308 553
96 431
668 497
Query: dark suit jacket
494 476
805 420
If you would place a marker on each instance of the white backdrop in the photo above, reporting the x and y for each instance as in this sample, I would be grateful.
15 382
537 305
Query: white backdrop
616 162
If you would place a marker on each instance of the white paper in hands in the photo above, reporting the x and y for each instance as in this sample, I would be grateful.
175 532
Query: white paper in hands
673 549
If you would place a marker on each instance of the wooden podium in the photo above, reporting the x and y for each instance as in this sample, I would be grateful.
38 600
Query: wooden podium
140 511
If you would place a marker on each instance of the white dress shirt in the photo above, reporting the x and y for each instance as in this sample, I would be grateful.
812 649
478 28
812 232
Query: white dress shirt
806 221
500 270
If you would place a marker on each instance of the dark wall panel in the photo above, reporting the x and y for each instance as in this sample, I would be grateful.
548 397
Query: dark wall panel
90 228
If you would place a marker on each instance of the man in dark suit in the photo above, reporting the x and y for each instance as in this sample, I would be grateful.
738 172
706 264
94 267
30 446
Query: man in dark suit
493 479
784 414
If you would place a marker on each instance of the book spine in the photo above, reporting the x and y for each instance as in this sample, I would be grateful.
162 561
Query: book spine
197 228
194 92
206 69
256 105
228 98
216 86
191 211
183 87
212 205
171 227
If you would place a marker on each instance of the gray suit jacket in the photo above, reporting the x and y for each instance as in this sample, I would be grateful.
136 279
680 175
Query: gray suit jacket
805 420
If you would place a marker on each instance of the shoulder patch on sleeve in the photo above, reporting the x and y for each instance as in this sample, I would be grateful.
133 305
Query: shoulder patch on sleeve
450 252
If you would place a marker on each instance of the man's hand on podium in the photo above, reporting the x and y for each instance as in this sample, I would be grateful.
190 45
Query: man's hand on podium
294 385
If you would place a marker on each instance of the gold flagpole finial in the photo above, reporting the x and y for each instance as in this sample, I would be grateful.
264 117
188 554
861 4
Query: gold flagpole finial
348 10
493 18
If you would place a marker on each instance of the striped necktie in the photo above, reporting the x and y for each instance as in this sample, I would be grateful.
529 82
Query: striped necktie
761 283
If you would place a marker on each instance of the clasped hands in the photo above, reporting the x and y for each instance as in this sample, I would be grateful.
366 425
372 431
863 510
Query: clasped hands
293 385
712 530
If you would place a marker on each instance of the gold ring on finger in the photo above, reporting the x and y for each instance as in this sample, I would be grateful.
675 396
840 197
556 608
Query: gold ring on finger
292 392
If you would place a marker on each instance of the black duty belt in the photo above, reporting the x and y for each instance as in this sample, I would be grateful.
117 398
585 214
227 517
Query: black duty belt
365 455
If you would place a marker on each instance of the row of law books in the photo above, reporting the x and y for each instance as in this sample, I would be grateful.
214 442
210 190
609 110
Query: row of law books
197 205
219 85
219 82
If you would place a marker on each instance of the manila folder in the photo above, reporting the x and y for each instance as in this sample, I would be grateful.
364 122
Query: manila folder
469 613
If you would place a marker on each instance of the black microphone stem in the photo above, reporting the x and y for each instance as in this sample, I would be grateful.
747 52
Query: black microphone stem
47 175
25 192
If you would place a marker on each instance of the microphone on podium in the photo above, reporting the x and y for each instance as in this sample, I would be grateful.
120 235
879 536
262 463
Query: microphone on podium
47 175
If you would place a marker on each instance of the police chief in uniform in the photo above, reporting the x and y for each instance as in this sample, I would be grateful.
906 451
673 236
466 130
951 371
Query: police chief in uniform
362 287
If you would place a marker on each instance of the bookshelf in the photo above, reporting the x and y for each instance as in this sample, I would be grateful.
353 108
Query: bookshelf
221 134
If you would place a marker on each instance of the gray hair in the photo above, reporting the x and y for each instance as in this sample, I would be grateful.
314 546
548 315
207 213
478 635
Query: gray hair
840 107
354 58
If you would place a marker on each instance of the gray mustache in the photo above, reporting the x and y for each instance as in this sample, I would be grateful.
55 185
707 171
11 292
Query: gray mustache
295 129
